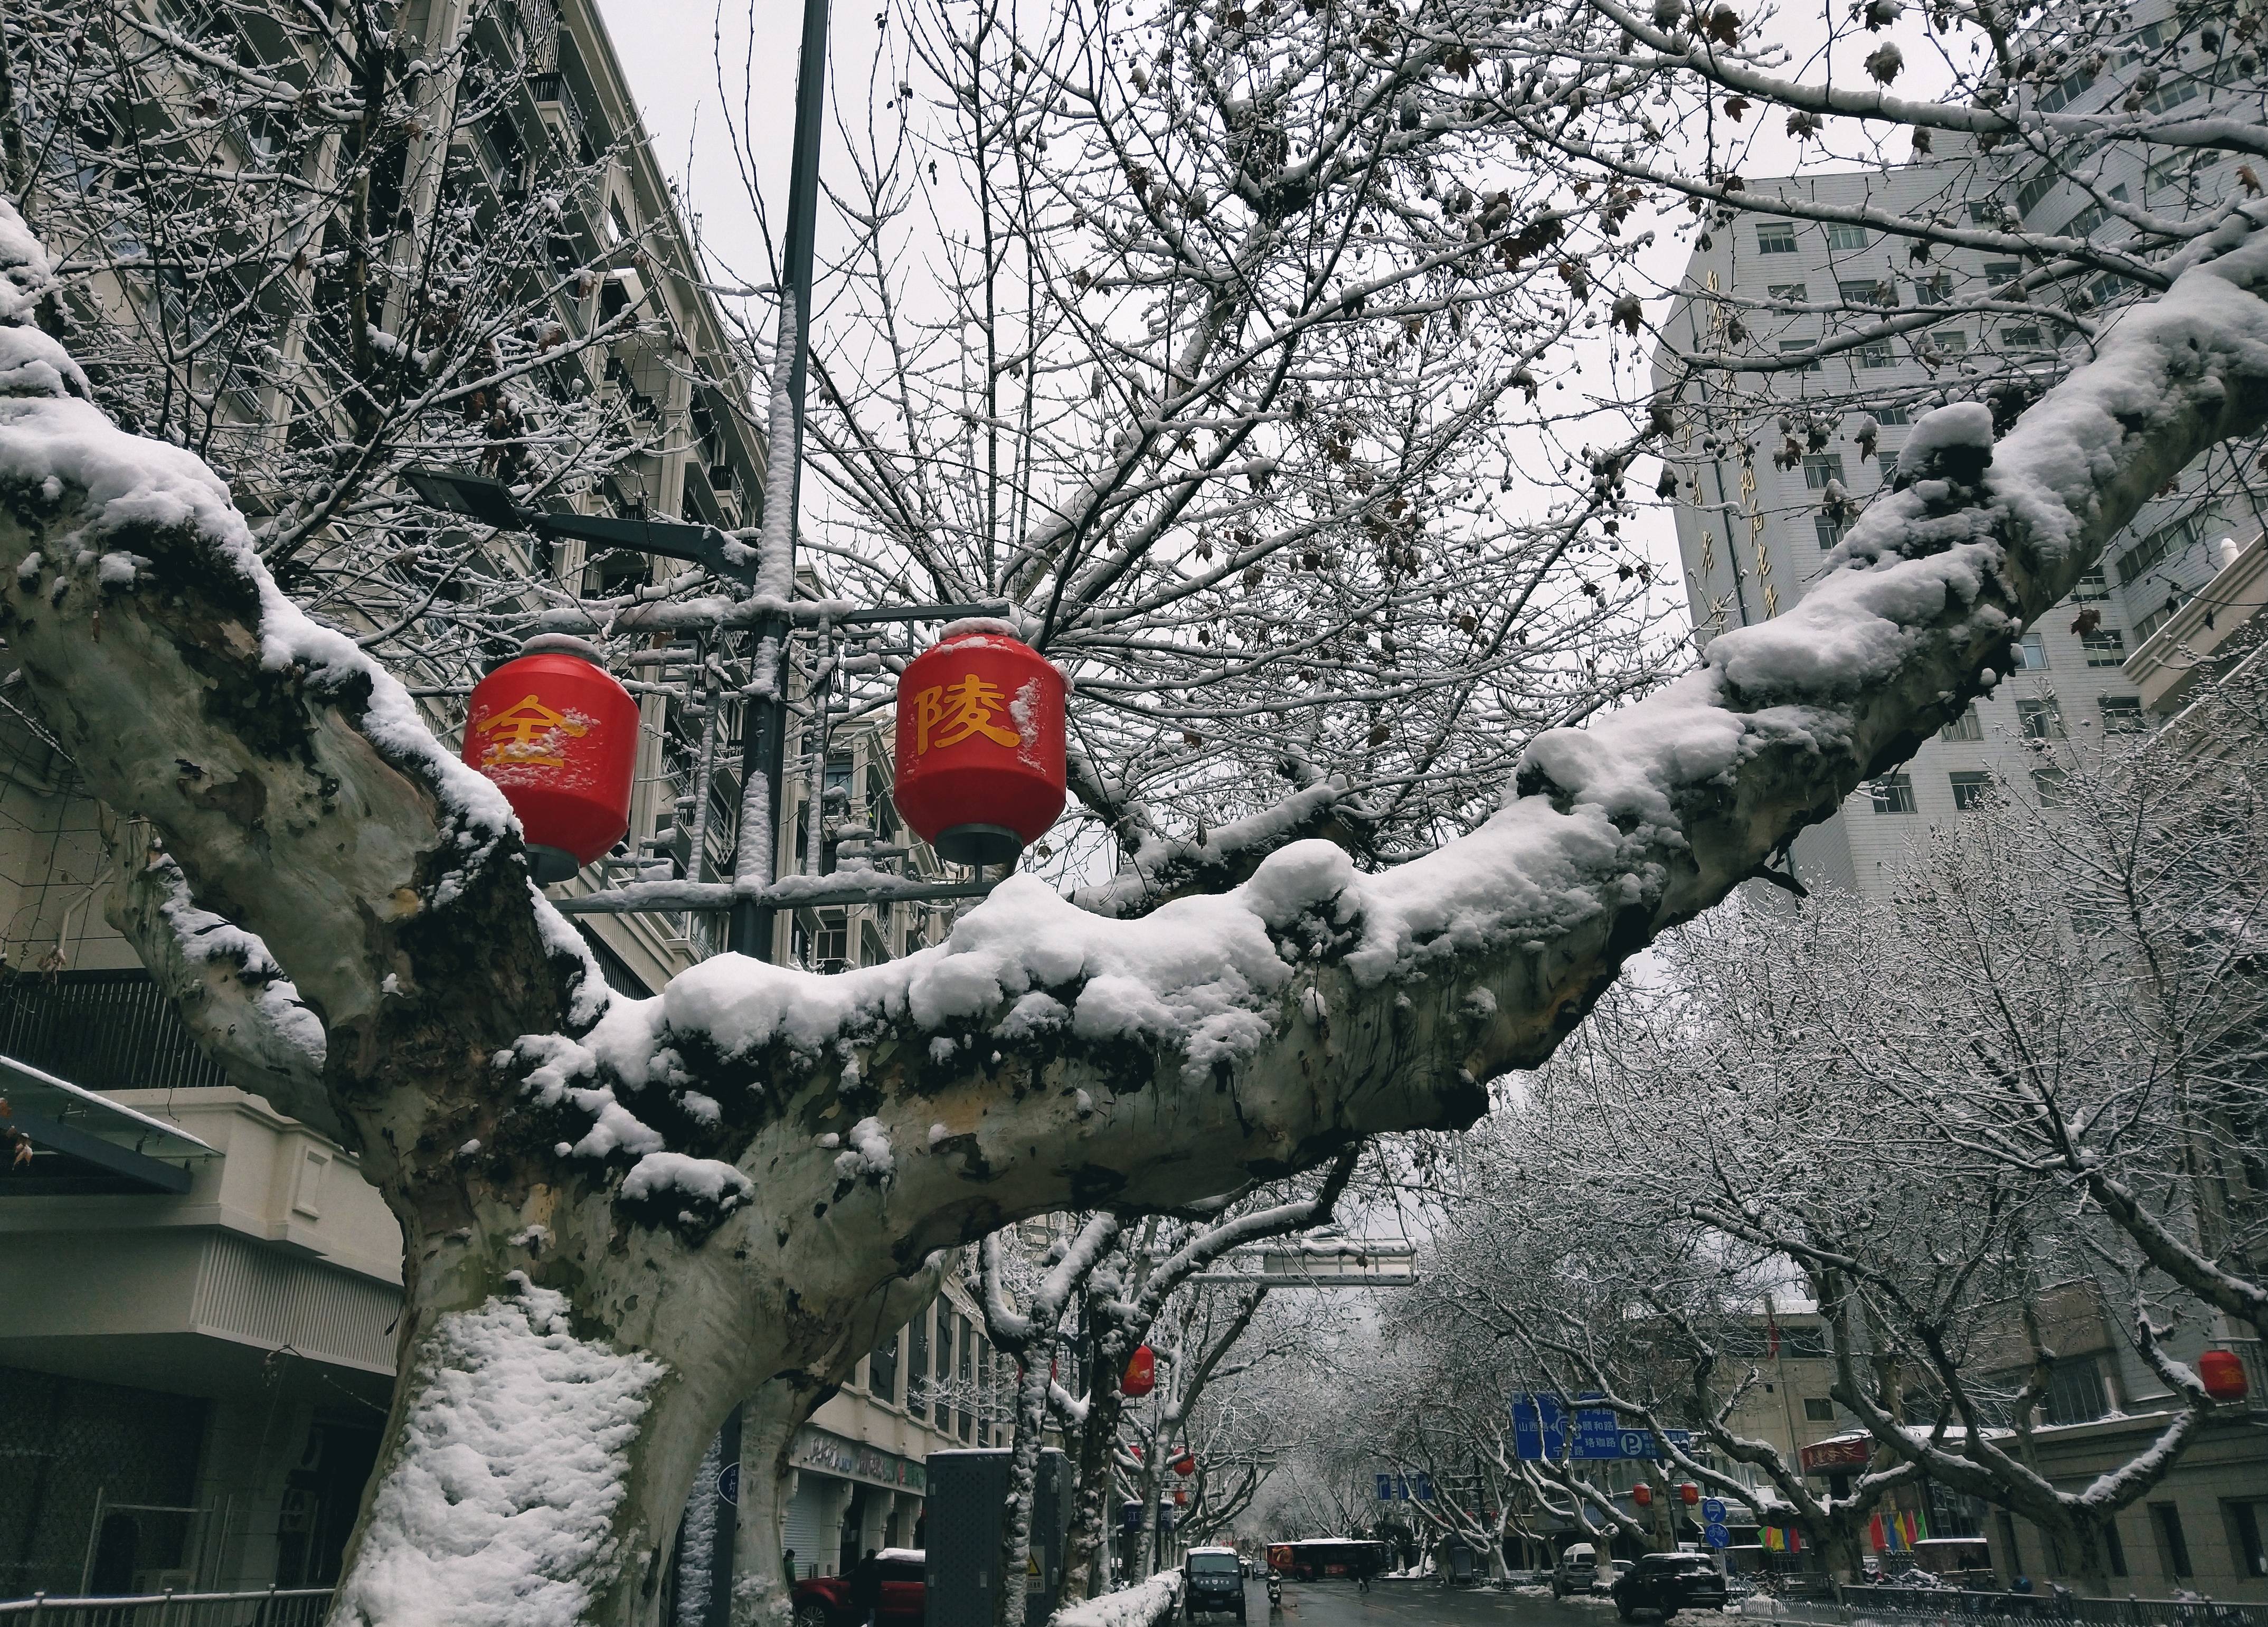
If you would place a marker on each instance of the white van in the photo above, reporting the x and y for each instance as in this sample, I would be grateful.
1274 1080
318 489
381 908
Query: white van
1577 1570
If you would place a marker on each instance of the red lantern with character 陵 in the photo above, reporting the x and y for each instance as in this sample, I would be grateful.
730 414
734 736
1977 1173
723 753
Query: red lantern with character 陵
980 744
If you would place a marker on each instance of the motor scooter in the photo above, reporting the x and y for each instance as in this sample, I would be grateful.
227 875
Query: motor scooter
1274 1591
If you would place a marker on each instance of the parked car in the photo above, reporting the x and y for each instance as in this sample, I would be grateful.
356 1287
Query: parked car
1609 1575
1578 1567
1215 1578
1668 1583
825 1601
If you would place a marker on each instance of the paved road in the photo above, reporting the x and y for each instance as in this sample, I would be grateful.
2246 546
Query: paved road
1415 1604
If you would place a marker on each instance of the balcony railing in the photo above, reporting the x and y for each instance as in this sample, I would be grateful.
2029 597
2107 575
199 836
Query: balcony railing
272 1606
102 1031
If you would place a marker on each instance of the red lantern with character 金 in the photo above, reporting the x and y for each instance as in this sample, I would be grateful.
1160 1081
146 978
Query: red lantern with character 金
1690 1492
1642 1494
2222 1374
560 738
1141 1375
980 744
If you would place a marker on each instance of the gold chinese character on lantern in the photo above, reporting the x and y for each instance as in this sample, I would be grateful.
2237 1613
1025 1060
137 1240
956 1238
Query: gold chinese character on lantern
951 713
522 735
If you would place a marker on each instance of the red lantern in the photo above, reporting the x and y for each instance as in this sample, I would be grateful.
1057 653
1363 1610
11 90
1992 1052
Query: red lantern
1186 1462
561 738
1141 1376
1642 1495
1691 1493
1180 1497
2223 1375
980 744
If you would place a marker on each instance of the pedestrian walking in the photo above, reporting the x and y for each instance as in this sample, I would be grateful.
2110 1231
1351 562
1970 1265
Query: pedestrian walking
867 1589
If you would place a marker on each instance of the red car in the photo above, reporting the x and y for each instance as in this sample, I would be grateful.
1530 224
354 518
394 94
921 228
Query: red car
825 1601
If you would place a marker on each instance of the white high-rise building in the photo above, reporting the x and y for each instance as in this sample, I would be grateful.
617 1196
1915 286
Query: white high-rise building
1754 517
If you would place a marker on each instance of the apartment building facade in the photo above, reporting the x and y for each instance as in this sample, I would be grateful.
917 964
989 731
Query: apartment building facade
202 1292
1754 524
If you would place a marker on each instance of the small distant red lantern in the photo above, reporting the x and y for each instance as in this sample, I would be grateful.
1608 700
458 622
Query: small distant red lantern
1690 1492
1180 1497
1185 1462
1141 1376
560 738
2222 1374
980 736
1642 1495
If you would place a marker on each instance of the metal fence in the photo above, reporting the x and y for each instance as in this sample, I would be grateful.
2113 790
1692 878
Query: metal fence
1972 1609
101 1030
274 1607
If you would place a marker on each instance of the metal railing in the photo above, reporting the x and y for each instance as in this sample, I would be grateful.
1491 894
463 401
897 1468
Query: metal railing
1975 1608
273 1607
101 1031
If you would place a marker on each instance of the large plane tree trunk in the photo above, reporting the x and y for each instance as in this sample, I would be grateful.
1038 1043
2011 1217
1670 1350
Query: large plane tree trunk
634 1261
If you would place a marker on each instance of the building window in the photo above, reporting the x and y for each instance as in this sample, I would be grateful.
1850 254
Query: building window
1793 293
1950 341
830 944
1983 212
2173 1547
1933 291
1893 793
882 1371
2244 1536
1790 346
1775 237
2031 653
2075 1393
2074 83
1893 418
2033 190
1968 726
2048 786
2040 720
2009 1547
1876 353
1841 236
1830 531
1818 1410
2024 337
917 1366
1971 788
2106 646
2113 1550
1819 468
2173 538
1997 272
2121 714
1861 290
2091 589
2147 625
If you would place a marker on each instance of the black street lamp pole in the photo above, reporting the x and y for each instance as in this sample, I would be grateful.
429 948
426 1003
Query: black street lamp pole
763 729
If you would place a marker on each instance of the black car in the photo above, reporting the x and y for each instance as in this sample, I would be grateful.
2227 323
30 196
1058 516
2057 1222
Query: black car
1669 1583
1216 1581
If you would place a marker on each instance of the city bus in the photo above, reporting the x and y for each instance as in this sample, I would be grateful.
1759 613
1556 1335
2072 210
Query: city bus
1344 1557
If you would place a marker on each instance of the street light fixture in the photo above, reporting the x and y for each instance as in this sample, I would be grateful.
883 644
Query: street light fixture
490 503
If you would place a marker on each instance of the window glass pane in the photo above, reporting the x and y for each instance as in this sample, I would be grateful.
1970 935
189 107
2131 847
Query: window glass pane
2031 653
1971 788
1893 793
2106 646
1841 236
2121 714
2040 720
1968 726
1776 237
1819 468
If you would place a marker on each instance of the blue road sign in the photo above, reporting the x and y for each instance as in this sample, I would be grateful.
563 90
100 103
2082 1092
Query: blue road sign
1716 1535
1712 1510
1540 1428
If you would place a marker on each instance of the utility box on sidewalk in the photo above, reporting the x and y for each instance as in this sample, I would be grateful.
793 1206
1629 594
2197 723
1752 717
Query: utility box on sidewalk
965 1514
